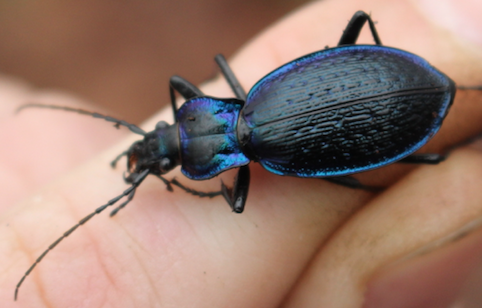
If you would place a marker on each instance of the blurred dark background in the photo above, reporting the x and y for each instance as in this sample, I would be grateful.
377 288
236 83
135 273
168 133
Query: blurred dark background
120 54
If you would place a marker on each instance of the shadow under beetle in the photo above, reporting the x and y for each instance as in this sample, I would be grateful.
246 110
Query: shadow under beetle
328 114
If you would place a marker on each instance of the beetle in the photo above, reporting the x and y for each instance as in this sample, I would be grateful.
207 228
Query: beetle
328 114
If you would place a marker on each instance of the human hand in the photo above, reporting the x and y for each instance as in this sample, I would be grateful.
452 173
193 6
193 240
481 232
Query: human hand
300 242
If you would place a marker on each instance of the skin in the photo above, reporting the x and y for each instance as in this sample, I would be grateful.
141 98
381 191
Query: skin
299 243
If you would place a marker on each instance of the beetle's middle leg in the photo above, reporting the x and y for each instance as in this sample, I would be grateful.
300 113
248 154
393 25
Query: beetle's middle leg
236 196
194 192
230 77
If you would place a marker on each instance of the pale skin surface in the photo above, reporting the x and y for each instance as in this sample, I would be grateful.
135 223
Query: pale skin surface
299 243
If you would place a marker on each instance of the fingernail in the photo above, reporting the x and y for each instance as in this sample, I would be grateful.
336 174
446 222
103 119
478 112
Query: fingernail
459 17
447 277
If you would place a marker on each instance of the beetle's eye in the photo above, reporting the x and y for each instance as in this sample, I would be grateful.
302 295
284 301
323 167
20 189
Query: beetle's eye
165 164
161 125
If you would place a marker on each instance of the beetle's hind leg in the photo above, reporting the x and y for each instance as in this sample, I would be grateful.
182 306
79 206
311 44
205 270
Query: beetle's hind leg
351 182
430 159
352 30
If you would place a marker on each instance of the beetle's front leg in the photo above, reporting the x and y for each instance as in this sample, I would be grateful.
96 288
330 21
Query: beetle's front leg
236 196
185 88
113 163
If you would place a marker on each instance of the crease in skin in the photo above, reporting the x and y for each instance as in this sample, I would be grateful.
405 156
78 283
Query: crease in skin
91 240
454 236
152 283
36 277
96 248
31 259
64 200
145 271
133 252
144 251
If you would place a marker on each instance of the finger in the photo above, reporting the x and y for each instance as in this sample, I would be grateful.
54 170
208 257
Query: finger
448 274
425 206
293 206
460 124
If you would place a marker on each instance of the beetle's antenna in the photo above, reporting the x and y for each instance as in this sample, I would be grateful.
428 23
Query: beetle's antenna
128 192
133 128
470 88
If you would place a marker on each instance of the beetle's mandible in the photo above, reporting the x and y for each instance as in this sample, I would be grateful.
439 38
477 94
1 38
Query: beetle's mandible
329 114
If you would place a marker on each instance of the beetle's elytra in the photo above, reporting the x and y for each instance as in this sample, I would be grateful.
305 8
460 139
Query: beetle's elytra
344 110
328 114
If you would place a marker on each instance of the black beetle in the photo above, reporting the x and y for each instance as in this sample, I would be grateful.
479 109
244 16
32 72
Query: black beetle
327 115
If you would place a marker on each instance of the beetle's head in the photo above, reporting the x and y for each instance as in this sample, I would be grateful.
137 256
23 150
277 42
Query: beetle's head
158 152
